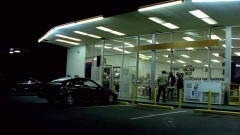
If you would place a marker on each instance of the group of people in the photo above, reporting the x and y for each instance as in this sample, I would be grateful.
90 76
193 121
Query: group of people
165 81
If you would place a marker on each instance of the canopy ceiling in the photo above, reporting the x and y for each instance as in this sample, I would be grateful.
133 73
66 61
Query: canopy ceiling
137 23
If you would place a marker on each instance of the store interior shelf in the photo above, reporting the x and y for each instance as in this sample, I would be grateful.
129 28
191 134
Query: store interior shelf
234 94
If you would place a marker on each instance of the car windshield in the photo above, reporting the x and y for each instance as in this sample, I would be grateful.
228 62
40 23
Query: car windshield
59 80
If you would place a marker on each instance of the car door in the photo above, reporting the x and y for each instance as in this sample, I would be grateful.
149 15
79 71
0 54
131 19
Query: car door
78 90
93 90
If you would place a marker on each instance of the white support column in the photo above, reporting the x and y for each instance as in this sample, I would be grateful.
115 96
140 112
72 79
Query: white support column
227 70
153 66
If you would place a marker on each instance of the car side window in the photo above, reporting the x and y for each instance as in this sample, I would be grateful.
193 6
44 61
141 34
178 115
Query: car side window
88 83
78 83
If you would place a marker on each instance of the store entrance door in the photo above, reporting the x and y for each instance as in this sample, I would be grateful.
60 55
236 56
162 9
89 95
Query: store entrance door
106 76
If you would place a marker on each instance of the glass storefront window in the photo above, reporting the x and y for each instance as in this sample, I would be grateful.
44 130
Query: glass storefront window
129 57
145 39
163 38
191 35
113 47
89 51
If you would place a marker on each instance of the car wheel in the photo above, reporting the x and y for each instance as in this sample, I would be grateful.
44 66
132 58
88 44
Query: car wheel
12 91
110 99
70 100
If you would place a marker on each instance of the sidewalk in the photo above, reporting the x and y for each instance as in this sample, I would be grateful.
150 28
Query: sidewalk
184 104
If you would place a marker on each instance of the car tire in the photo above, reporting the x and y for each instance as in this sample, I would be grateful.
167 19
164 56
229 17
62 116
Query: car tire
110 99
12 91
70 100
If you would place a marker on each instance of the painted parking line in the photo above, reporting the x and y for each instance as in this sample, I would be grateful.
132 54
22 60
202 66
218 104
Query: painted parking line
153 115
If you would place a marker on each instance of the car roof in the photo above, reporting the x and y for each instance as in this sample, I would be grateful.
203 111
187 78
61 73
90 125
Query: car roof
61 79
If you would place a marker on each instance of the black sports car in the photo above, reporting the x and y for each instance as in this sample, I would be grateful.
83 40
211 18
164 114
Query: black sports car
70 90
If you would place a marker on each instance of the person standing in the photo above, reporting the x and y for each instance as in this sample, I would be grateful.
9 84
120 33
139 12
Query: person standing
162 84
171 85
179 84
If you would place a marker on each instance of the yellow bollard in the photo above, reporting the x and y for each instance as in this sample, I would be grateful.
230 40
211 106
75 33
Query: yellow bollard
133 94
209 100
154 96
180 99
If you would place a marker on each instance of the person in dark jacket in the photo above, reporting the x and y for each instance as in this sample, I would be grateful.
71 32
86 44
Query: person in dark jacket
170 87
179 84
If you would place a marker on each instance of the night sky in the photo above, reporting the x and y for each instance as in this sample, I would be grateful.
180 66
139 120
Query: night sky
24 22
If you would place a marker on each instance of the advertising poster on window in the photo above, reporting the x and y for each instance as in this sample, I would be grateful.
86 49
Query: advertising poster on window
95 74
125 82
192 91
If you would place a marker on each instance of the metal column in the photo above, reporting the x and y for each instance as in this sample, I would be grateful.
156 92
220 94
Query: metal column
227 70
153 66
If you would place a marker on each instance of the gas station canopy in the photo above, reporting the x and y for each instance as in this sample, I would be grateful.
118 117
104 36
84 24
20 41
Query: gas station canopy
150 19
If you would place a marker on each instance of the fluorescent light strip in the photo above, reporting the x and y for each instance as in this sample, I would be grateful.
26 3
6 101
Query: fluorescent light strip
170 61
180 61
160 5
213 0
199 14
69 42
107 47
209 21
17 51
86 34
237 53
157 20
216 61
129 44
67 37
165 56
188 39
215 37
121 50
197 61
170 25
93 19
190 48
164 23
110 31
185 56
216 54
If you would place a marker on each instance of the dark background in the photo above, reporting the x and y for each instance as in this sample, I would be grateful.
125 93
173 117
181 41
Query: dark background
24 22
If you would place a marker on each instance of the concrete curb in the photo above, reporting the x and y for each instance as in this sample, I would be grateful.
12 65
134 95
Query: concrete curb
122 102
216 112
155 106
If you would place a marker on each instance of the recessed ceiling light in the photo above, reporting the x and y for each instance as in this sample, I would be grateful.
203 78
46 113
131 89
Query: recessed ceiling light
197 61
190 48
216 61
188 39
110 31
86 34
67 37
209 20
237 53
69 42
163 22
186 56
201 15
